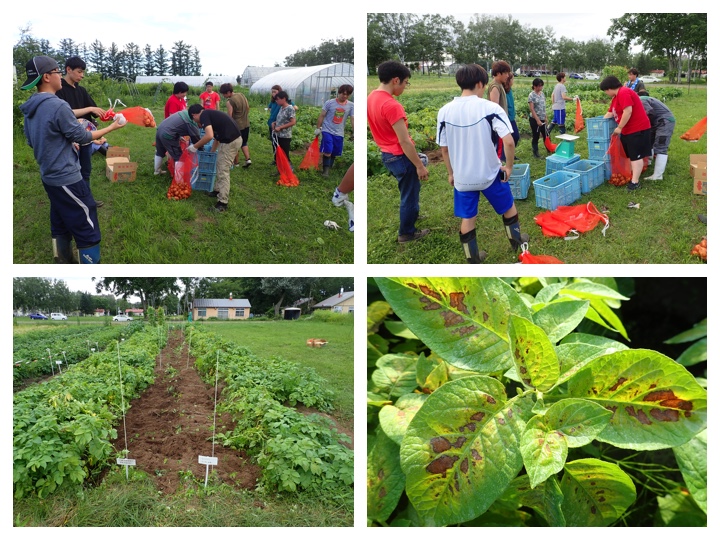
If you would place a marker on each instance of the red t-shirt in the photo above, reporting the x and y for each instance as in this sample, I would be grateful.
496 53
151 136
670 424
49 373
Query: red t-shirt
638 119
174 104
209 100
383 111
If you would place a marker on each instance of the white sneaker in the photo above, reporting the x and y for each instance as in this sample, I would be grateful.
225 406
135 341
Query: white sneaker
158 172
339 197
351 215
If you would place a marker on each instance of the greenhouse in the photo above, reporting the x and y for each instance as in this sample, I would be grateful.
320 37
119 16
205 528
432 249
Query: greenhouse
253 74
190 80
310 85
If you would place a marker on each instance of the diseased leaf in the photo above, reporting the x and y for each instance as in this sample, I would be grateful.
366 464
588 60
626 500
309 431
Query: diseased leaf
596 493
535 360
377 311
577 350
560 318
578 420
545 499
544 451
399 329
395 374
678 509
385 479
450 451
463 320
655 402
692 460
394 419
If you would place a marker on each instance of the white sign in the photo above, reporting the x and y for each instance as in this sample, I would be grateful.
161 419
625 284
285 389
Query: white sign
207 460
58 362
123 461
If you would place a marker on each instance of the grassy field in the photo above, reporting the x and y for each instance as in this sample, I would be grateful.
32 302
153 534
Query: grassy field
663 230
265 222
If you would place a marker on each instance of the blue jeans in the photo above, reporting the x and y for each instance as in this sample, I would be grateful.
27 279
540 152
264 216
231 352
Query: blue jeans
409 185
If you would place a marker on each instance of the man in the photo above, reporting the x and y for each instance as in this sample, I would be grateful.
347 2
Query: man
331 123
51 130
559 97
238 108
634 83
168 135
388 124
209 99
469 129
632 123
225 134
82 106
662 126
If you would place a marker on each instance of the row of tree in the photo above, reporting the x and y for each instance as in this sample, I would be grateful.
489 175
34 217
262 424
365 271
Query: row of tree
432 40
328 52
174 294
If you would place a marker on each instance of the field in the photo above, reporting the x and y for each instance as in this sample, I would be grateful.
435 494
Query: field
268 401
663 229
265 223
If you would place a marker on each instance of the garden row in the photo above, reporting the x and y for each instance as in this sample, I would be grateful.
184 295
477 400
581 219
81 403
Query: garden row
296 451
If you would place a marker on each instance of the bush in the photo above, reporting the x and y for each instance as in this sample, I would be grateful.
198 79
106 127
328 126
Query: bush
332 317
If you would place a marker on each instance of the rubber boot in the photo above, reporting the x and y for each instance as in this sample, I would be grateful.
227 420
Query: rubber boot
62 250
327 163
562 129
90 255
158 163
351 215
536 154
512 229
469 244
660 163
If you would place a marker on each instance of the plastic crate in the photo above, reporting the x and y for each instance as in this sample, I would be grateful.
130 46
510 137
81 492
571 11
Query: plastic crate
592 173
203 176
556 163
207 161
597 149
520 181
207 146
599 127
560 188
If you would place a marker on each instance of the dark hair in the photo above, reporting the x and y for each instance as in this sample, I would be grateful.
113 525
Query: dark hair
469 75
282 94
537 81
276 87
390 69
644 93
209 82
499 67
560 76
180 87
634 71
195 108
225 88
75 62
346 89
611 82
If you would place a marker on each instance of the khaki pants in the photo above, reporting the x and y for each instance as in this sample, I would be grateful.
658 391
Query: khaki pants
226 156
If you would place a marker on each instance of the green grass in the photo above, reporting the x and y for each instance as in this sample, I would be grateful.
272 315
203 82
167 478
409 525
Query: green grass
265 223
663 230
286 339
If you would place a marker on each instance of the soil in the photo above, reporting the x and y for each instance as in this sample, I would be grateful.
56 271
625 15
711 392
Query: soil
434 156
171 424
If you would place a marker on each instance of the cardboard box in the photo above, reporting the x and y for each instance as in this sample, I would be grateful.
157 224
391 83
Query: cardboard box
118 167
698 172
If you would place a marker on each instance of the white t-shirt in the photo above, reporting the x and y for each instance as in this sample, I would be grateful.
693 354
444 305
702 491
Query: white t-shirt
465 127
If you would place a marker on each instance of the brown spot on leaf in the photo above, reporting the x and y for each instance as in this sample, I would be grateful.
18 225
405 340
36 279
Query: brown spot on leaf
464 330
441 465
653 385
452 318
509 413
470 426
665 415
527 381
456 301
667 398
381 474
601 499
429 292
464 466
620 381
491 400
459 442
501 421
639 415
457 485
440 444
478 416
485 316
429 304
476 455
593 510
612 409
382 492
523 370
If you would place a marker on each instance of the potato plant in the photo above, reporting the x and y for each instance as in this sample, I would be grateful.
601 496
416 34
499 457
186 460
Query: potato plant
503 416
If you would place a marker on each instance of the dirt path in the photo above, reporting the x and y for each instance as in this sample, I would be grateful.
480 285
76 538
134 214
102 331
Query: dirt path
170 425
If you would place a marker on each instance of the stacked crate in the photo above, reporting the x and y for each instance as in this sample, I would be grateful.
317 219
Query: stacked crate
599 130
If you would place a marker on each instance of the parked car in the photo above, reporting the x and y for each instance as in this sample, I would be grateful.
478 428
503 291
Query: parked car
592 77
648 78
58 317
122 318
575 76
37 316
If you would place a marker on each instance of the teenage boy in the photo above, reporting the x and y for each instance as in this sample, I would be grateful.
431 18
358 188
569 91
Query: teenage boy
82 106
559 97
209 99
331 123
225 134
239 109
388 124
51 129
468 130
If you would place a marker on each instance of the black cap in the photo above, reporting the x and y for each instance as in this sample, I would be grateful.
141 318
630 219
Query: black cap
36 68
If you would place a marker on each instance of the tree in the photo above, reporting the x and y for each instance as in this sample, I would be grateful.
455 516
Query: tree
398 32
31 293
28 46
68 48
162 62
377 49
149 288
180 59
149 62
133 60
113 68
285 290
329 51
96 59
86 303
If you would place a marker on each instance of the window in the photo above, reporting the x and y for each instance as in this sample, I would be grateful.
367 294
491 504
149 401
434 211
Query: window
239 312
337 309
222 313
202 312
351 309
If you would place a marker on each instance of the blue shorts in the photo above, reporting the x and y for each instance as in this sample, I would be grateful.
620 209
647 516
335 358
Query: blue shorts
73 211
331 144
559 117
498 195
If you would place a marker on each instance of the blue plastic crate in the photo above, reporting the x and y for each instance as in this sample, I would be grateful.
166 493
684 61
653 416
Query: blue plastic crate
592 173
599 128
556 163
560 188
203 176
520 181
597 149
207 146
207 161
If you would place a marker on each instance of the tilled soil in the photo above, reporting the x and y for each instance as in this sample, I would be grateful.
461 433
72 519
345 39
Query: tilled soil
171 424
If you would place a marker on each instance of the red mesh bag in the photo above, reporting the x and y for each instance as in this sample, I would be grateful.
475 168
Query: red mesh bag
580 218
579 122
550 147
620 168
312 156
140 116
181 170
528 258
287 176
695 132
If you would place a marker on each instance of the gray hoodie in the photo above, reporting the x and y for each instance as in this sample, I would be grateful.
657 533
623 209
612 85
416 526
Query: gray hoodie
50 130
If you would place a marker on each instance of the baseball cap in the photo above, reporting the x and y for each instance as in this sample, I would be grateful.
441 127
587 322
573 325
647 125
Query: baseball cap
36 68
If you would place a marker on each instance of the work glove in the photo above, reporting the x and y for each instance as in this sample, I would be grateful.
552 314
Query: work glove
192 149
318 131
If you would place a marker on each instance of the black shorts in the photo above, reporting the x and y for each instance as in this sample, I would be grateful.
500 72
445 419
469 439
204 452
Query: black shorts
245 133
637 145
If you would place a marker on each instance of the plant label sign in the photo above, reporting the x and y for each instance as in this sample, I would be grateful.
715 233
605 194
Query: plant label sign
207 460
125 461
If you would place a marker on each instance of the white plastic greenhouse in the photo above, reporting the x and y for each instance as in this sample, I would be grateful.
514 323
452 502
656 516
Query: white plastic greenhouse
190 80
253 74
311 85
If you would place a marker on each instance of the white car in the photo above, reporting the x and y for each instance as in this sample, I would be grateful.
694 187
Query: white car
592 77
648 78
58 317
122 318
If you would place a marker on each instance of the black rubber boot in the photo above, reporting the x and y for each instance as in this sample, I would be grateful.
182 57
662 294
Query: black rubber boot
512 229
469 244
536 154
62 250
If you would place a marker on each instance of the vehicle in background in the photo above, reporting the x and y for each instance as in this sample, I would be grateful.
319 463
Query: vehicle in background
648 78
37 316
122 318
58 317
575 76
592 76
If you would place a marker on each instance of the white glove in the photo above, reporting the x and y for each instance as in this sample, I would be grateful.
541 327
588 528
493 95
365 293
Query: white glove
575 98
192 149
318 131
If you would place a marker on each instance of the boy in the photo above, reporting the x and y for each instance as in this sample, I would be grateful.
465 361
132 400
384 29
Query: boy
331 123
239 109
209 99
559 97
51 129
469 129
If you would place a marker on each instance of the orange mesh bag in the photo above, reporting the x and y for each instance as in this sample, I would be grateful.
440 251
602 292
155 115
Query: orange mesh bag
181 185
312 156
620 168
576 219
528 258
140 116
550 147
579 122
287 176
695 132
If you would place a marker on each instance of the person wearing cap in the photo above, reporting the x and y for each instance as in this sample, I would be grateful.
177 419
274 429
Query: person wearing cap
51 129
331 123
82 106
